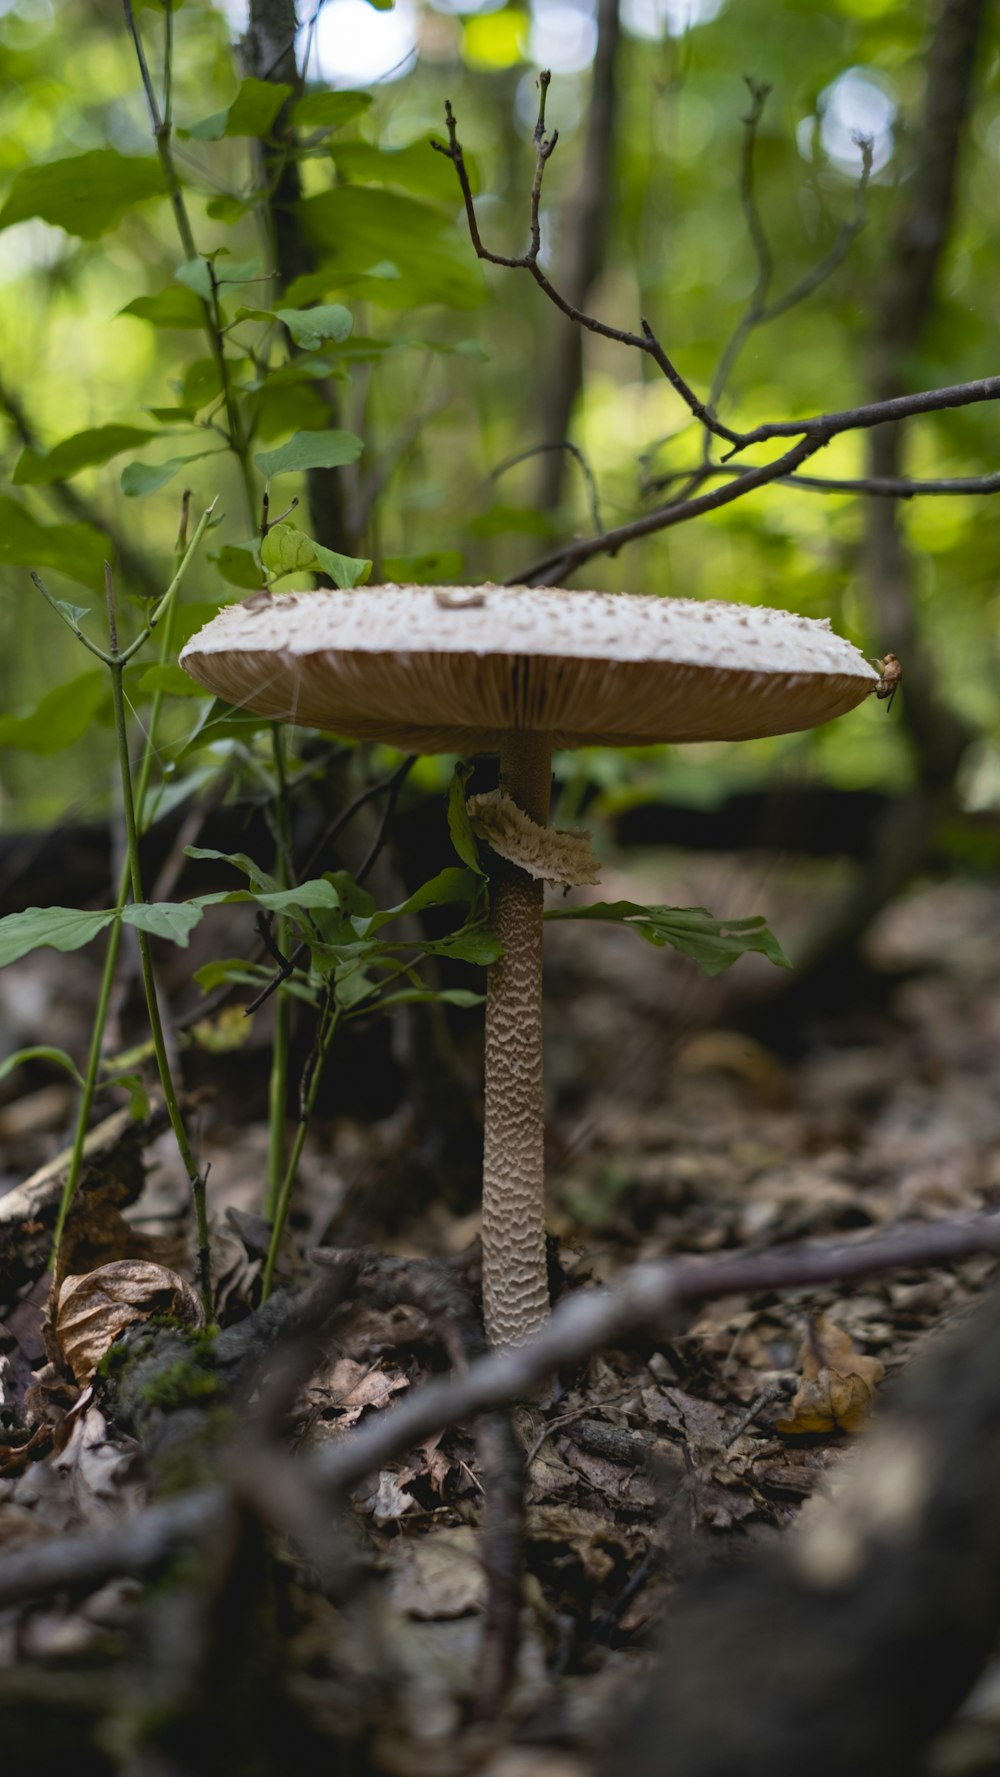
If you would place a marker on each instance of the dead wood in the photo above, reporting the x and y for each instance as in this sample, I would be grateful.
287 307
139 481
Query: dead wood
855 1646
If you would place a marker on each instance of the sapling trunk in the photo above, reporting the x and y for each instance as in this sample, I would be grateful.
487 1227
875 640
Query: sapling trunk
515 1282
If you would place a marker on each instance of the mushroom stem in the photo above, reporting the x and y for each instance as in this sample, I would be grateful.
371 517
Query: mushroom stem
515 1281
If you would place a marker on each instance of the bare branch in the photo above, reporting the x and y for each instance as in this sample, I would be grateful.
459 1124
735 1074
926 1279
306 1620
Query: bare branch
759 310
890 487
581 1325
644 1297
876 413
646 341
573 450
560 562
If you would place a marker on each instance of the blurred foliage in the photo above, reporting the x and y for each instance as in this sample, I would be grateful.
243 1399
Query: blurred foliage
441 377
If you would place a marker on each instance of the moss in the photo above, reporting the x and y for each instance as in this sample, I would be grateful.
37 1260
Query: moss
181 1384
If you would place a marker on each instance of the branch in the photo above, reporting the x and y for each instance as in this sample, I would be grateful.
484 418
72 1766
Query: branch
645 1297
573 450
759 310
825 426
890 487
646 341
563 561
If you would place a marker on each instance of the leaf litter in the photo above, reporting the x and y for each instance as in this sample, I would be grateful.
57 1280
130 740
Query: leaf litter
686 1447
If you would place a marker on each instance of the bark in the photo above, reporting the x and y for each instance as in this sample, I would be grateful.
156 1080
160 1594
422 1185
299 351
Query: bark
587 231
854 1648
938 739
269 54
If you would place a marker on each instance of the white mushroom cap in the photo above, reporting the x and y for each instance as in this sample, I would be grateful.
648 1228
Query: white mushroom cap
452 669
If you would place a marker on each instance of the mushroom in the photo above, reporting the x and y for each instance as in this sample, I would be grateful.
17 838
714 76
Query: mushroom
520 670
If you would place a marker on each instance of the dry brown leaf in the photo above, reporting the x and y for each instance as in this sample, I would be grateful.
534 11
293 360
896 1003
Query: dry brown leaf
439 1576
93 1310
838 1383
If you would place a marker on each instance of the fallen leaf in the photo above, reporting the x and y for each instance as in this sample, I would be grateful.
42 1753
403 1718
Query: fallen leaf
838 1383
439 1576
93 1311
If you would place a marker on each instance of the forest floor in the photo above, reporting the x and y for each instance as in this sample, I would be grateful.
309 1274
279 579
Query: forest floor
672 1132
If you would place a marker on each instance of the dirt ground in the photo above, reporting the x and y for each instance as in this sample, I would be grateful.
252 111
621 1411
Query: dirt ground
672 1131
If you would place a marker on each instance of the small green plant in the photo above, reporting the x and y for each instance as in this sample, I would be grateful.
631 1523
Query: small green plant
259 395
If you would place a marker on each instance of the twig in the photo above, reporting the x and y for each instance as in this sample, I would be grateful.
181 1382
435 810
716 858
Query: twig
825 426
562 561
394 785
579 1327
71 1563
890 487
759 310
644 1297
573 450
645 341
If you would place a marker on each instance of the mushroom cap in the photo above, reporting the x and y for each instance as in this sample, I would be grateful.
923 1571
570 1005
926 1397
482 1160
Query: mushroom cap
454 669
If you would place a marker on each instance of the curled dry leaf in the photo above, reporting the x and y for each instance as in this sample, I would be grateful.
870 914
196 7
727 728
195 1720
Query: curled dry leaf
92 1311
838 1383
544 852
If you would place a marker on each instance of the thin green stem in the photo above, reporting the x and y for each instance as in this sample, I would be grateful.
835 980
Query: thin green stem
278 1084
111 954
90 1077
162 131
328 1022
152 1002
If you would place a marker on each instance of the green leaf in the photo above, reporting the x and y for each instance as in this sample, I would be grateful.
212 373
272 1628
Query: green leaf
84 194
449 886
311 450
175 920
328 111
448 996
282 406
435 566
251 113
41 1052
714 944
146 478
286 550
196 275
170 679
304 897
175 306
72 614
358 227
230 968
416 167
62 928
138 1097
82 451
459 825
259 878
310 327
239 565
77 550
475 944
59 719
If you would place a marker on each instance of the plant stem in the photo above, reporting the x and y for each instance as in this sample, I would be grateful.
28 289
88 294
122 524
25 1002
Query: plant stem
515 1283
90 1077
328 1022
167 604
278 1084
152 1003
162 130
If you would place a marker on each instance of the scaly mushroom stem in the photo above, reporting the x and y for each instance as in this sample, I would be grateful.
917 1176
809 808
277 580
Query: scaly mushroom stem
515 1284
